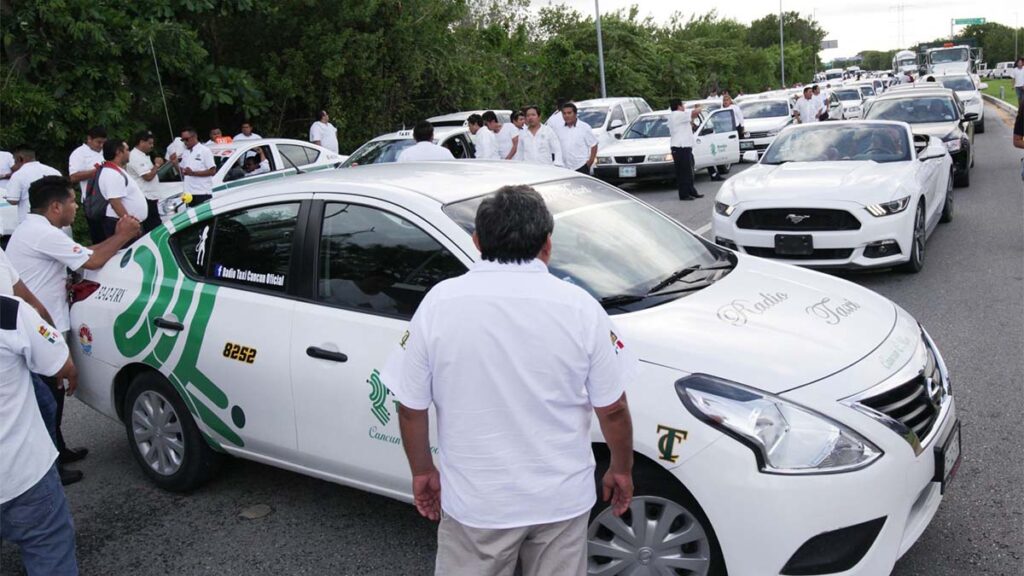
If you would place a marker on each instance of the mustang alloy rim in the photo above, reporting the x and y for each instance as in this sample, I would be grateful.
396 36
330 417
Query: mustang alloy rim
919 234
157 432
655 536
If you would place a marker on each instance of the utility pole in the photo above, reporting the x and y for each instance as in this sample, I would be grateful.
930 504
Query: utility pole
1016 30
600 48
782 48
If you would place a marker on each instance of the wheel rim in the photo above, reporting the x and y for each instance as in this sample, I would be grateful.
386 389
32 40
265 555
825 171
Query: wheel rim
919 235
949 194
157 432
655 536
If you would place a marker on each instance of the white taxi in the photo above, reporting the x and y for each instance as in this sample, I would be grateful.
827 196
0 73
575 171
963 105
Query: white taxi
386 147
786 422
763 119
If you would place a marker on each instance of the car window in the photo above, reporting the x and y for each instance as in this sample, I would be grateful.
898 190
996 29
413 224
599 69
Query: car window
723 122
376 261
248 248
296 155
458 146
168 173
378 152
617 115
648 127
832 142
643 106
251 163
915 110
595 117
630 109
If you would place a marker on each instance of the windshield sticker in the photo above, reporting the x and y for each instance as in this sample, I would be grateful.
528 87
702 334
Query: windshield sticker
831 313
739 311
201 246
667 442
267 279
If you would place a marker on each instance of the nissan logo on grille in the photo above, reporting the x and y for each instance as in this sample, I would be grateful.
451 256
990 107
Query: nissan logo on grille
797 218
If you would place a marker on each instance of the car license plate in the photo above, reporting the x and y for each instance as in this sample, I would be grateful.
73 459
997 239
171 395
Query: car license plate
627 172
746 145
947 459
794 244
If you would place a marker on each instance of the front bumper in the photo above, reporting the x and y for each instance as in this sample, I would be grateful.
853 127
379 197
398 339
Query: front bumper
646 172
756 144
962 158
846 249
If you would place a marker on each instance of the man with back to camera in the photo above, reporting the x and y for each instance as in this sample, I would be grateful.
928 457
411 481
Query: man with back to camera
483 138
26 171
682 141
546 356
424 149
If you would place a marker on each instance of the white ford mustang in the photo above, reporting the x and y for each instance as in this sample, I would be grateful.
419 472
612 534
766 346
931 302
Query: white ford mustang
785 421
839 195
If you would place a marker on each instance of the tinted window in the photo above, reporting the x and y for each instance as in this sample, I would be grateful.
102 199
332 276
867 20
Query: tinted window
378 151
915 110
764 109
723 122
836 142
459 147
375 261
295 155
958 83
593 116
648 127
251 247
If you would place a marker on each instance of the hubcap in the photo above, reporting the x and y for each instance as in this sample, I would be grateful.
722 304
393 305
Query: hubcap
655 536
157 432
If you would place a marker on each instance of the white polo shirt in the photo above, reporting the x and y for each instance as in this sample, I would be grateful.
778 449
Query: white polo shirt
6 163
115 183
326 134
84 158
540 148
680 129
198 158
504 138
139 164
1018 77
808 109
18 185
8 275
42 254
737 113
425 152
27 344
576 143
486 144
514 360
242 137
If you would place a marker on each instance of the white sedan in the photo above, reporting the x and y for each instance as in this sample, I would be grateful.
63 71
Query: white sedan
785 421
764 118
386 147
840 194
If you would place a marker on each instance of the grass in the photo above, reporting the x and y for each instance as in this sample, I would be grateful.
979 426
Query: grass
994 84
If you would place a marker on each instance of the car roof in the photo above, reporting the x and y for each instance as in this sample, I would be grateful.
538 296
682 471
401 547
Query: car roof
916 92
841 123
445 182
464 115
611 100
231 146
439 133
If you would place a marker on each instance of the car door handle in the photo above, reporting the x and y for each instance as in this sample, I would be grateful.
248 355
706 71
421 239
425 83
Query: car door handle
317 352
732 137
172 325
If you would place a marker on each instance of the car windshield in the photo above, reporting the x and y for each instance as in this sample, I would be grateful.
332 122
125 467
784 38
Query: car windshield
949 55
833 75
378 152
915 110
593 116
867 91
907 62
446 123
848 94
605 241
647 127
959 83
830 143
769 109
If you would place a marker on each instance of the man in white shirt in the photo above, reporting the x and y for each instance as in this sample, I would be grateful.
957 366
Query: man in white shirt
197 167
506 135
424 150
256 164
144 171
579 145
681 142
538 142
26 171
217 137
6 167
1018 81
246 133
737 113
124 198
42 255
82 167
556 121
545 358
808 108
34 512
483 139
323 133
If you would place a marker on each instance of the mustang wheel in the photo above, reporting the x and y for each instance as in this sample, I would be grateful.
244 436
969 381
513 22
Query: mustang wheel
917 244
164 438
947 207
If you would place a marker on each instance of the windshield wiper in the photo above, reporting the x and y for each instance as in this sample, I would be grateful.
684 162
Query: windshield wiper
635 131
680 274
617 300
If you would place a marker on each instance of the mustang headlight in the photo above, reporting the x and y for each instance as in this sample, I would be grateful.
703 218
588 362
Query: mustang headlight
785 438
724 209
659 158
888 208
604 160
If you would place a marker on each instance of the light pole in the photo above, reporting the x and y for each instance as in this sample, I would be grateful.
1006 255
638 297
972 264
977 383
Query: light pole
782 48
600 48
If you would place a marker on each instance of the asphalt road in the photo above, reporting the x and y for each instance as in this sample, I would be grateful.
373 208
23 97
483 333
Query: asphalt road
970 296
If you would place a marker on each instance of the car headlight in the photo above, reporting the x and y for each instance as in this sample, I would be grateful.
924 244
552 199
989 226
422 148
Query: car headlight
604 160
888 208
854 108
953 145
660 158
773 132
724 209
785 438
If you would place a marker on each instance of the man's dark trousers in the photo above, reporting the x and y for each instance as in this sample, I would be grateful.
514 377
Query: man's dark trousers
683 160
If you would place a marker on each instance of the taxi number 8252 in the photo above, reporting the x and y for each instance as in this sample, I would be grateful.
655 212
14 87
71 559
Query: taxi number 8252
240 353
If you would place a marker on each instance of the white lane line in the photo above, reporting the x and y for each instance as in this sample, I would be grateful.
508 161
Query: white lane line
703 229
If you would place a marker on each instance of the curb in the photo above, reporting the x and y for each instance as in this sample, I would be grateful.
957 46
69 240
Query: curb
1006 106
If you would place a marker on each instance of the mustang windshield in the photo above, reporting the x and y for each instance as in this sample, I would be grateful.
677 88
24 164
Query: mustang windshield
606 242
830 143
764 109
593 116
915 110
647 127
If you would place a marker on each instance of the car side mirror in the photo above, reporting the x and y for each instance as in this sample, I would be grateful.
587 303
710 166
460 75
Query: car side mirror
707 130
618 136
750 156
616 124
970 117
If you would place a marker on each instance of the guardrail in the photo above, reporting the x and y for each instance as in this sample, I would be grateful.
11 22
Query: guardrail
1000 103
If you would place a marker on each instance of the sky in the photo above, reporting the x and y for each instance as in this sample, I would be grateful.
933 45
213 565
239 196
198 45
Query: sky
857 25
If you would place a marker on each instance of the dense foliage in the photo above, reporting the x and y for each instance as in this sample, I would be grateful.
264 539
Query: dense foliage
375 65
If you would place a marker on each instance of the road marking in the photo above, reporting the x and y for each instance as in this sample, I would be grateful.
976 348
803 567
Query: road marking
700 231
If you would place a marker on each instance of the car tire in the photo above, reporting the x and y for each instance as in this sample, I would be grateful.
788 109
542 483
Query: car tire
661 498
916 262
724 168
979 128
163 436
963 178
947 206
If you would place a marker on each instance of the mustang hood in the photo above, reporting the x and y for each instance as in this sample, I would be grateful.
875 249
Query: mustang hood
815 181
637 147
766 325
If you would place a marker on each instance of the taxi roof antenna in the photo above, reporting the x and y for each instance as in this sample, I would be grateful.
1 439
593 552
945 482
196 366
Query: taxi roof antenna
163 97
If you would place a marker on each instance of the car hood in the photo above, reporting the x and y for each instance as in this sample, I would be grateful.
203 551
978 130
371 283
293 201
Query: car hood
767 325
765 124
814 181
851 103
938 129
637 146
